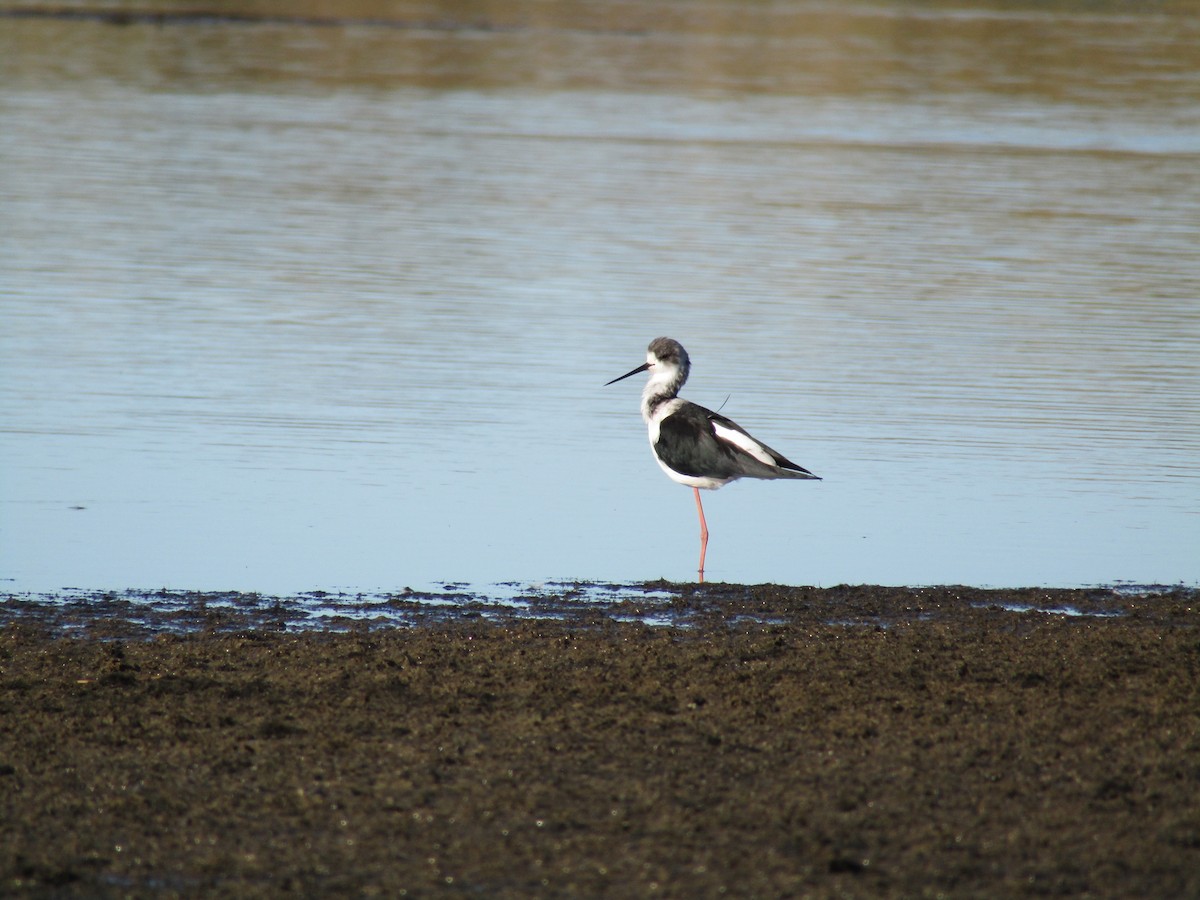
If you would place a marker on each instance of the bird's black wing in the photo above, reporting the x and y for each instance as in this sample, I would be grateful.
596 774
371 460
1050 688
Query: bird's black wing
687 444
780 460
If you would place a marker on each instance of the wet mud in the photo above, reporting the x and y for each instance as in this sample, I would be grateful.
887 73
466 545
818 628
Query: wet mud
655 740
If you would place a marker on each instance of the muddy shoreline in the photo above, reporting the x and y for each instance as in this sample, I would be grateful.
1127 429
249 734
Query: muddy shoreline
745 741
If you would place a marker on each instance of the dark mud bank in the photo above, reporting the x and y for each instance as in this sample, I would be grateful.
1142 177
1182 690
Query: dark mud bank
751 741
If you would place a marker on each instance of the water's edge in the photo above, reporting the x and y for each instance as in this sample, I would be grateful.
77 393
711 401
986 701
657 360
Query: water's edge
134 614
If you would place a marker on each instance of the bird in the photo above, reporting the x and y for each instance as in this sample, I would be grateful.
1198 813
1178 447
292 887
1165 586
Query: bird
695 446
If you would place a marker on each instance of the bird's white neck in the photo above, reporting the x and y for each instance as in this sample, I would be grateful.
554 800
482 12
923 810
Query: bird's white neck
663 384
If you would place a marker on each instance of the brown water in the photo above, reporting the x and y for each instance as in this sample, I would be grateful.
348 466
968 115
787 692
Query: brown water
322 296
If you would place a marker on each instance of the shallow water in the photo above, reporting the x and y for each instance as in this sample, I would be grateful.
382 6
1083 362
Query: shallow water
297 304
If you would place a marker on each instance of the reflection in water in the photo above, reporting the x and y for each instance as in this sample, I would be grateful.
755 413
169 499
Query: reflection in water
290 306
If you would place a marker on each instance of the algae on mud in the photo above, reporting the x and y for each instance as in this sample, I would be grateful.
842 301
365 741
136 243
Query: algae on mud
770 741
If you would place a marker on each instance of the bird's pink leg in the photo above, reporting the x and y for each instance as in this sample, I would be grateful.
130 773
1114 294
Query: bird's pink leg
703 533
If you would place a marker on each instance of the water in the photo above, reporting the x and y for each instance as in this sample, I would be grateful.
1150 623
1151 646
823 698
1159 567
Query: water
306 305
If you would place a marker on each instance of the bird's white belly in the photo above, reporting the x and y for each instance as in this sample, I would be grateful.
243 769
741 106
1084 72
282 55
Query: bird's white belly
696 481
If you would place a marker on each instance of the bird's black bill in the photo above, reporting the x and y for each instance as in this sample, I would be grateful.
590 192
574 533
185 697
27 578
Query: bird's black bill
642 368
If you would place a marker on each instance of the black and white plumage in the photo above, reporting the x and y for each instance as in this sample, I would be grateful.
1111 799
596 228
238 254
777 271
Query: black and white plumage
696 446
